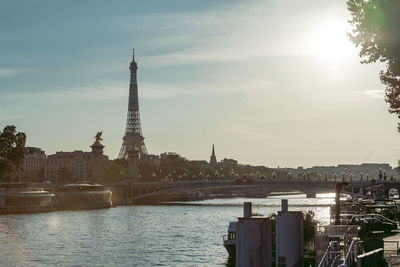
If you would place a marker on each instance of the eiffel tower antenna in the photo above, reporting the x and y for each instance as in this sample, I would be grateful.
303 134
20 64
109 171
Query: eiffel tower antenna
133 130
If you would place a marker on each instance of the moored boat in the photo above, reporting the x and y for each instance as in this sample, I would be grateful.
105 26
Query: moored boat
230 240
82 196
24 198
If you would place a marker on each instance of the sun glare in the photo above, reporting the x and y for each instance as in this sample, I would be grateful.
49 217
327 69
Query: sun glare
330 42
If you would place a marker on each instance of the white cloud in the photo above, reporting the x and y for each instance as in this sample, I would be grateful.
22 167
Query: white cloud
7 72
156 90
84 93
9 113
233 34
375 93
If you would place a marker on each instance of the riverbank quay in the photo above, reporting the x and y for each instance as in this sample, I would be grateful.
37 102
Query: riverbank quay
374 217
391 249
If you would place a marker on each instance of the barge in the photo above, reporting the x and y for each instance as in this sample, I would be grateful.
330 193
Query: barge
230 240
82 196
25 198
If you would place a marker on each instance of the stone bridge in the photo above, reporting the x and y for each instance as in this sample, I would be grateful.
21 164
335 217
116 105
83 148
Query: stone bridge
136 192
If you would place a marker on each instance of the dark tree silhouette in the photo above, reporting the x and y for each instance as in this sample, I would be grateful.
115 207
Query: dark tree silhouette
12 151
376 29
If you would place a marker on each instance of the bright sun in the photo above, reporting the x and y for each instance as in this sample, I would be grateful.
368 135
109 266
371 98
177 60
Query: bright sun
330 42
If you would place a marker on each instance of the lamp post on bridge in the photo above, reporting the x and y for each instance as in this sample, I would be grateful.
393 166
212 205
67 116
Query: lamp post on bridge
337 201
154 176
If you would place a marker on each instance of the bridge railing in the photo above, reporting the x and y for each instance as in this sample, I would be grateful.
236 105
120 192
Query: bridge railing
341 230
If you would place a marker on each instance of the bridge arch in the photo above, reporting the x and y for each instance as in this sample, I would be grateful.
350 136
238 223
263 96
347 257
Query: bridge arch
307 187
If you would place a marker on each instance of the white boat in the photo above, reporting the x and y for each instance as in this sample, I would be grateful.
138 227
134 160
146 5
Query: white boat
230 240
25 198
82 196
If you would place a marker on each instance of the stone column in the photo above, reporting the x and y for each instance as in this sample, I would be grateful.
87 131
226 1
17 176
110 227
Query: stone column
133 162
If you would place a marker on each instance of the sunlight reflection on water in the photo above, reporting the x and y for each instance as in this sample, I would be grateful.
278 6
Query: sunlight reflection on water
188 234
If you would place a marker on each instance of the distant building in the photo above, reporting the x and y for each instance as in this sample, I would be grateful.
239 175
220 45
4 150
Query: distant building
213 159
229 162
68 166
153 159
354 171
170 156
76 165
33 164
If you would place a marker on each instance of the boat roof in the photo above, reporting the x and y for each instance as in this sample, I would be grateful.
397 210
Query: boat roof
232 227
381 206
26 193
82 184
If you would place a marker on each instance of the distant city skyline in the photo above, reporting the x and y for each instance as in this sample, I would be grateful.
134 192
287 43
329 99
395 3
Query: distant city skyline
273 83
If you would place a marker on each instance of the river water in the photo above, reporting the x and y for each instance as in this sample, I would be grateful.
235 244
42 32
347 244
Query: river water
182 234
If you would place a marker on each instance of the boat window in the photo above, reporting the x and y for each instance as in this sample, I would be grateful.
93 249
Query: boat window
26 201
232 236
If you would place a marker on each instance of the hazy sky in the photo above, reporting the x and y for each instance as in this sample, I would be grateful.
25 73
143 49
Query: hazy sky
268 82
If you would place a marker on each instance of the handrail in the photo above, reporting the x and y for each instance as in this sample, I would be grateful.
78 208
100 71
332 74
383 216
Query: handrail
325 261
350 250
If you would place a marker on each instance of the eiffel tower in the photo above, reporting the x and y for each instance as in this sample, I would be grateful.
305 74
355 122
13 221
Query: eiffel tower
133 130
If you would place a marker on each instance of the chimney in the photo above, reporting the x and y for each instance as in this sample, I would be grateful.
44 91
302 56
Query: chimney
246 209
284 204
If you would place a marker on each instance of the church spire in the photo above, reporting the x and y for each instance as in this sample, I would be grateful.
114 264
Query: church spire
213 158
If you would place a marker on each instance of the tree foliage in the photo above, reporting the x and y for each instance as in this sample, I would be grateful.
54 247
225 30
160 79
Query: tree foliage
376 30
12 151
116 170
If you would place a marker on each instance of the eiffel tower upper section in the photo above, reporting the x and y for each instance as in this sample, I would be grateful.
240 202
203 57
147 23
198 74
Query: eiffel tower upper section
133 130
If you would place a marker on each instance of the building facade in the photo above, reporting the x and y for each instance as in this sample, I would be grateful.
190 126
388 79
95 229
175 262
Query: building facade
33 165
64 166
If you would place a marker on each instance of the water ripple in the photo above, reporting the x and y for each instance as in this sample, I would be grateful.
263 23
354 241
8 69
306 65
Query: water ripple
168 235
